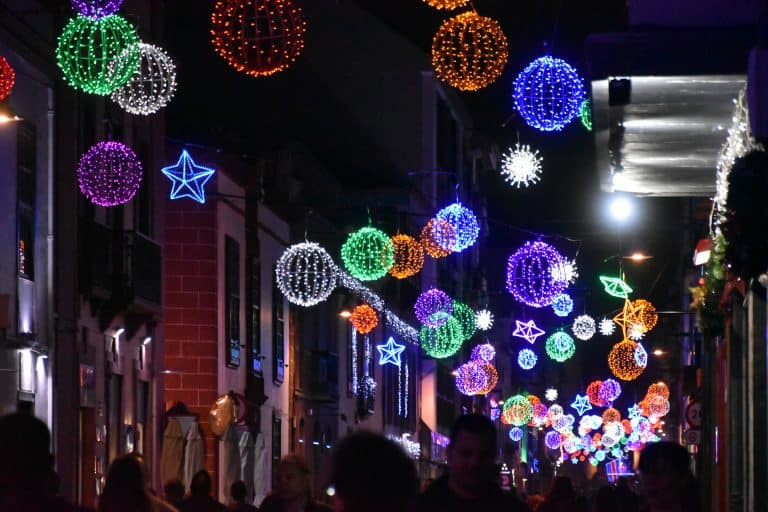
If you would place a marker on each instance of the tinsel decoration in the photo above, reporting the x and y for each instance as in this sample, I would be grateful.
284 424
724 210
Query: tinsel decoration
433 307
98 56
368 254
515 434
305 274
448 5
258 37
443 341
109 174
96 9
436 235
583 327
466 318
526 359
7 78
560 347
469 51
607 327
521 167
364 318
621 361
517 410
562 305
408 256
464 222
484 320
552 440
153 85
529 274
610 390
484 352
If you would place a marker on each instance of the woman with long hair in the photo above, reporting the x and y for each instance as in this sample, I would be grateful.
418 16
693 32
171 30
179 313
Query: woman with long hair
126 489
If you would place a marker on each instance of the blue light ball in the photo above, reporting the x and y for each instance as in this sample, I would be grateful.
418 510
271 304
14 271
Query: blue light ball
526 359
562 305
515 434
464 222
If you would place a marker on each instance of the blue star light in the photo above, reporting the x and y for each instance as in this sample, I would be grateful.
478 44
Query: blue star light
527 330
581 404
634 412
390 352
187 178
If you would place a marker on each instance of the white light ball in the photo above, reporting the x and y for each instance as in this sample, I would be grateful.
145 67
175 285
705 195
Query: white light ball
583 327
521 166
306 274
607 327
484 320
550 394
153 85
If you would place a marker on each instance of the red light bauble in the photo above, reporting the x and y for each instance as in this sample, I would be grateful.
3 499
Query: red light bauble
7 78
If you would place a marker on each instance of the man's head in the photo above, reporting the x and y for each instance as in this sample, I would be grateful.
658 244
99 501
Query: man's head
25 457
200 484
293 477
664 472
472 455
174 490
238 491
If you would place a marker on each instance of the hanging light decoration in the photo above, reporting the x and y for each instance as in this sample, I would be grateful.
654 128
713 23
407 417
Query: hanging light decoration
521 167
484 352
368 254
610 390
7 78
658 406
584 327
616 287
408 256
629 316
98 56
593 392
607 327
491 377
641 356
555 411
152 87
436 235
96 9
526 359
305 274
635 332
433 307
621 361
552 440
560 347
464 222
258 37
658 389
517 410
529 274
647 316
567 272
470 378
466 318
469 51
484 319
550 394
515 434
585 114
447 4
562 305
109 174
443 341
364 318
548 93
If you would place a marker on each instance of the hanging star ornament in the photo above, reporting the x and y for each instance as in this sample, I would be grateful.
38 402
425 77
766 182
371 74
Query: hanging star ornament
615 287
390 352
581 404
629 316
527 330
634 412
187 178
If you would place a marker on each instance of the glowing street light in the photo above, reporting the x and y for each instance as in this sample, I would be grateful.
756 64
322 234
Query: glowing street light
621 208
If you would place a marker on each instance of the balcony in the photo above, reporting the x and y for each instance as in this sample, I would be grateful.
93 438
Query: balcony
142 264
318 376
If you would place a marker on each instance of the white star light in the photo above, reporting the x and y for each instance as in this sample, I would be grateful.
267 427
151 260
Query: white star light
484 319
527 330
607 327
550 394
521 166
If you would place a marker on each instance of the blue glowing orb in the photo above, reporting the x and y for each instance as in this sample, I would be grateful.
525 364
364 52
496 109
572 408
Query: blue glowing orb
464 221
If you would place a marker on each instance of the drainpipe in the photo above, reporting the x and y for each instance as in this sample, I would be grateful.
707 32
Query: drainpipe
49 306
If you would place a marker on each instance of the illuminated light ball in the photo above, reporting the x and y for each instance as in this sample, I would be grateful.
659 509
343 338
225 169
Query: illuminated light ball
533 399
435 233
433 307
521 167
571 444
491 378
627 426
109 174
447 4
610 390
443 341
596 421
552 440
562 305
658 388
641 425
621 361
560 347
585 114
368 254
540 413
641 356
258 37
658 406
153 85
648 315
515 434
98 56
607 327
584 327
586 442
484 352
643 406
555 411
96 9
550 394
306 274
7 78
597 439
364 318
526 359
464 221
484 320
469 51
518 410
600 455
611 415
567 272
529 274
408 256
635 331
609 441
469 378
466 318
563 423
548 93
593 393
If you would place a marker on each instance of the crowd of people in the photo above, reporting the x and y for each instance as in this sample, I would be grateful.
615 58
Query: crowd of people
369 474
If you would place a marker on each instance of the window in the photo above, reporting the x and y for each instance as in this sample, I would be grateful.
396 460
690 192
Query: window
143 203
277 445
26 164
232 298
278 334
253 318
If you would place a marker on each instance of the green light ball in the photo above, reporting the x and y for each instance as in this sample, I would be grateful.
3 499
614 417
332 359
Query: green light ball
443 341
467 319
368 254
560 347
518 410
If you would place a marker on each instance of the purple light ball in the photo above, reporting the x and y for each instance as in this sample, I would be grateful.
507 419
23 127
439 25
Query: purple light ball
609 390
552 440
471 378
96 9
433 307
484 352
109 174
530 278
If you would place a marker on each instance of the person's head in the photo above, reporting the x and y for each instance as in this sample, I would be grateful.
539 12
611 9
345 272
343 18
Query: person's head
293 478
472 454
605 500
561 487
25 459
174 490
665 473
238 491
125 487
200 484
372 473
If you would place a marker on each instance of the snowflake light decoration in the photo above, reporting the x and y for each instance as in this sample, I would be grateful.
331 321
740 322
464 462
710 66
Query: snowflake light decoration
607 327
153 85
529 275
583 327
550 394
484 319
567 272
305 274
560 347
635 332
433 307
109 174
464 222
520 166
368 254
526 359
562 305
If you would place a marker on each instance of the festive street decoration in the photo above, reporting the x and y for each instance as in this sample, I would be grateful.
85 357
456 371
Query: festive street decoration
433 307
469 51
629 316
583 327
447 4
109 174
607 327
491 377
621 361
658 389
552 440
610 390
615 287
526 359
364 318
517 410
7 78
390 353
641 356
633 412
530 277
465 224
98 56
96 9
635 332
258 37
648 315
560 347
436 235
153 85
562 305
593 392
466 318
187 178
408 256
515 434
484 320
484 352
581 404
540 415
548 93
567 272
550 394
585 114
520 166
476 378
305 274
368 254
555 411
527 330
443 341
658 406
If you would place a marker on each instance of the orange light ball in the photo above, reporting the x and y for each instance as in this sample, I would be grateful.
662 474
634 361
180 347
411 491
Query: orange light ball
437 238
621 361
364 318
448 5
659 388
648 315
611 415
408 257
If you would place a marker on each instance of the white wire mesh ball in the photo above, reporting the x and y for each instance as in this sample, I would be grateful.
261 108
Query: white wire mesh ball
521 166
306 274
584 327
153 85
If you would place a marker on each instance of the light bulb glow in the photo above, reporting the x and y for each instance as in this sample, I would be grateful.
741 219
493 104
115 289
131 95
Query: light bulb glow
484 319
583 327
306 274
526 359
521 167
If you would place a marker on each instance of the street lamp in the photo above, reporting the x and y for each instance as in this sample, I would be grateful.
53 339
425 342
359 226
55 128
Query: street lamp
621 208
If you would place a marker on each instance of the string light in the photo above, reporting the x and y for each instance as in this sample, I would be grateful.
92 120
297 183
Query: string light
368 254
562 305
443 341
447 4
408 256
521 167
610 390
96 9
466 318
484 320
648 315
464 222
153 85
355 364
258 37
560 347
305 274
526 359
615 287
436 235
585 114
517 410
548 93
550 394
98 56
658 406
476 378
529 276
584 327
527 330
515 434
109 174
484 352
552 440
364 318
187 178
433 307
635 332
581 404
469 51
7 78
622 362
607 327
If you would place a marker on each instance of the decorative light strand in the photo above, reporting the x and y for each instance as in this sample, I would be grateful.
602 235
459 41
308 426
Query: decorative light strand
529 274
355 363
153 85
521 167
305 274
109 174
408 256
368 254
